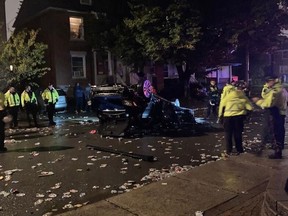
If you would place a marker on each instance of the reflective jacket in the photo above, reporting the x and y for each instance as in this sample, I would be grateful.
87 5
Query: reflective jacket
226 90
2 100
276 97
265 91
25 98
235 103
50 96
11 100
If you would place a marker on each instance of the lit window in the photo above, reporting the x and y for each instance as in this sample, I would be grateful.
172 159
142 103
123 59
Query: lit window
86 2
76 28
78 62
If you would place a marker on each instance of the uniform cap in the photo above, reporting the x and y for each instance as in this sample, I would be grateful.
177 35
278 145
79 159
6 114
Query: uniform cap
240 85
270 78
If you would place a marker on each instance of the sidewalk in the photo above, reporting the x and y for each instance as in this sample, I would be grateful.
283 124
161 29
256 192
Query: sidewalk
240 185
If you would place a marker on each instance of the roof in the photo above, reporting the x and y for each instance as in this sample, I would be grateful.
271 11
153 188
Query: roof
31 8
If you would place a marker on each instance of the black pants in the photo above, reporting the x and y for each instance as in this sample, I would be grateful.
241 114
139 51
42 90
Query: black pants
31 109
233 127
278 127
50 112
267 133
13 111
2 129
213 108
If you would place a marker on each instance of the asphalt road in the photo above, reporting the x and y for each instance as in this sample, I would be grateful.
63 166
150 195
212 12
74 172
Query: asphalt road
50 170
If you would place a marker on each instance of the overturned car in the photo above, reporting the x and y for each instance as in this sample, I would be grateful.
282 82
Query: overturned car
126 111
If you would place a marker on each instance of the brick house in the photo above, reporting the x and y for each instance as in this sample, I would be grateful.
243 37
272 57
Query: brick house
62 28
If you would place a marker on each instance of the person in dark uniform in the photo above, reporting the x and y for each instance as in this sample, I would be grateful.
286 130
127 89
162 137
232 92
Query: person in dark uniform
213 99
12 102
29 103
233 109
50 97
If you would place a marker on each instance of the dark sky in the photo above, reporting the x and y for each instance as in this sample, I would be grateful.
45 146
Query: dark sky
12 7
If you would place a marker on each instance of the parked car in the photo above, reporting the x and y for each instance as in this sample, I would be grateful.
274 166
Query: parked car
61 104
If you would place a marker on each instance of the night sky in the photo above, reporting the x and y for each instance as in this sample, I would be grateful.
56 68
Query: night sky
12 7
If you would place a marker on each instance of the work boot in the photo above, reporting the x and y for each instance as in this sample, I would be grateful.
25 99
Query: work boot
277 155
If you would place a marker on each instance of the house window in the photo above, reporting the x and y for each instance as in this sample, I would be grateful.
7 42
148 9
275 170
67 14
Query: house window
285 54
78 63
86 2
76 28
283 69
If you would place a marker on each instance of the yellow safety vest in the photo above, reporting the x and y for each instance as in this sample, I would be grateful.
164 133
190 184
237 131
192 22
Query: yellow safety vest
25 98
50 95
226 90
2 101
235 103
276 97
11 100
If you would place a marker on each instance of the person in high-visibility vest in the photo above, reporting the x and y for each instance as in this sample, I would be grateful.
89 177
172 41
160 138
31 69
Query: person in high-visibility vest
2 124
233 109
230 86
12 102
276 101
267 128
30 104
50 97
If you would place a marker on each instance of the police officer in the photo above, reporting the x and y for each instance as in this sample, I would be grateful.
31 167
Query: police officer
276 102
213 95
29 102
12 102
233 108
2 124
230 86
50 97
267 130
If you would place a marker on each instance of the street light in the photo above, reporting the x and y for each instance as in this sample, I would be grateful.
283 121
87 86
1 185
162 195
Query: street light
11 68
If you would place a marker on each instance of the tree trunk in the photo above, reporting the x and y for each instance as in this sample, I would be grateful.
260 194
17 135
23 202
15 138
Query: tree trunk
247 64
182 80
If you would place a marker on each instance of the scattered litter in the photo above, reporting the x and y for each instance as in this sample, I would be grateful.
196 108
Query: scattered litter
43 174
52 195
38 202
20 194
4 193
56 186
93 132
82 195
198 213
38 195
34 153
73 191
48 214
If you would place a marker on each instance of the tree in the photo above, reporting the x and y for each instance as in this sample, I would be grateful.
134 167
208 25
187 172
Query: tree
249 26
166 31
26 55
